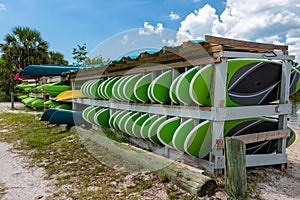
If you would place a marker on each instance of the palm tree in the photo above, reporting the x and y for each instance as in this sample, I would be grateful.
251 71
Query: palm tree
56 58
24 47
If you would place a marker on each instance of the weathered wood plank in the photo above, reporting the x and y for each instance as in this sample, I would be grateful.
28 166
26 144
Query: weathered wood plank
235 168
189 178
257 137
236 44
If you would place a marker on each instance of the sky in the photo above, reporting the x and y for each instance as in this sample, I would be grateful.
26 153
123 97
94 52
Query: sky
112 28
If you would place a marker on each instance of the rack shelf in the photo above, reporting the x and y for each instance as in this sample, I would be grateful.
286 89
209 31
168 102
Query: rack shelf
214 51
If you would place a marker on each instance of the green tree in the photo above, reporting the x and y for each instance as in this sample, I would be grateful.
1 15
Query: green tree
94 61
56 58
79 55
7 72
24 46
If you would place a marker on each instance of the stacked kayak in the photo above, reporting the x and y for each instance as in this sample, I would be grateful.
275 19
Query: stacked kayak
247 84
58 116
54 89
68 95
189 136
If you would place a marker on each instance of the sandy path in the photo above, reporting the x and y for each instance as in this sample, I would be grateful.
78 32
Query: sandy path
20 182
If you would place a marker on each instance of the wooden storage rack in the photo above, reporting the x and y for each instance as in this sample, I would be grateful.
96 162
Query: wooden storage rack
216 51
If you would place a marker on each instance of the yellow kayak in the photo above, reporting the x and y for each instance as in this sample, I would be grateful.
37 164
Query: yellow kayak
68 95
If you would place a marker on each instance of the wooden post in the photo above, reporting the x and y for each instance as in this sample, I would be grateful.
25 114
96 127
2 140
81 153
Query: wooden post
235 168
12 99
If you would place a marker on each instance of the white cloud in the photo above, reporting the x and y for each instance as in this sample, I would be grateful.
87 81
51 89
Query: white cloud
275 39
149 29
173 16
196 1
2 6
293 40
273 21
125 39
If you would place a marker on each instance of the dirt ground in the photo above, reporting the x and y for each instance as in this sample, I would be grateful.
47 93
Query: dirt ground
19 182
284 185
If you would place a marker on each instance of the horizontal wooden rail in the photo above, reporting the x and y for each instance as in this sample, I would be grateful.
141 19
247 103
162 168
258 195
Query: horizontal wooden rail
257 137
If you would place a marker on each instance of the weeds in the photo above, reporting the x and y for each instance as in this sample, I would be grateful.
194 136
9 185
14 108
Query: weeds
77 173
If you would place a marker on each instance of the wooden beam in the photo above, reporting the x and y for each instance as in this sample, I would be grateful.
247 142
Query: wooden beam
235 168
191 179
257 137
244 44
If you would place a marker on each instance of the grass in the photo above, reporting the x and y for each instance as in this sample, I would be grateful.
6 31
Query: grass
77 174
2 190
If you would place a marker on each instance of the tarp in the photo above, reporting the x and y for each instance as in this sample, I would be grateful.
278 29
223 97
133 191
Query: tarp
46 70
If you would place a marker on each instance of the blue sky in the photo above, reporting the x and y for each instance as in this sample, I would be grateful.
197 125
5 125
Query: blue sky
67 23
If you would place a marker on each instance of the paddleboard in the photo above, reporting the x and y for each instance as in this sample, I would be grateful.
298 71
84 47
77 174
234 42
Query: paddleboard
83 87
172 91
90 115
117 119
128 88
129 123
121 87
199 140
141 88
150 97
183 84
160 86
93 87
136 127
108 87
153 129
181 134
101 117
112 118
115 94
122 121
146 125
166 131
249 82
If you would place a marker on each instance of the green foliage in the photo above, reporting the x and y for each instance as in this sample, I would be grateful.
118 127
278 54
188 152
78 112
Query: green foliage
24 46
79 54
56 58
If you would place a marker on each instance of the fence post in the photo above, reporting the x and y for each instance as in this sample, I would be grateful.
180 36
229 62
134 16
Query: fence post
235 168
12 100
